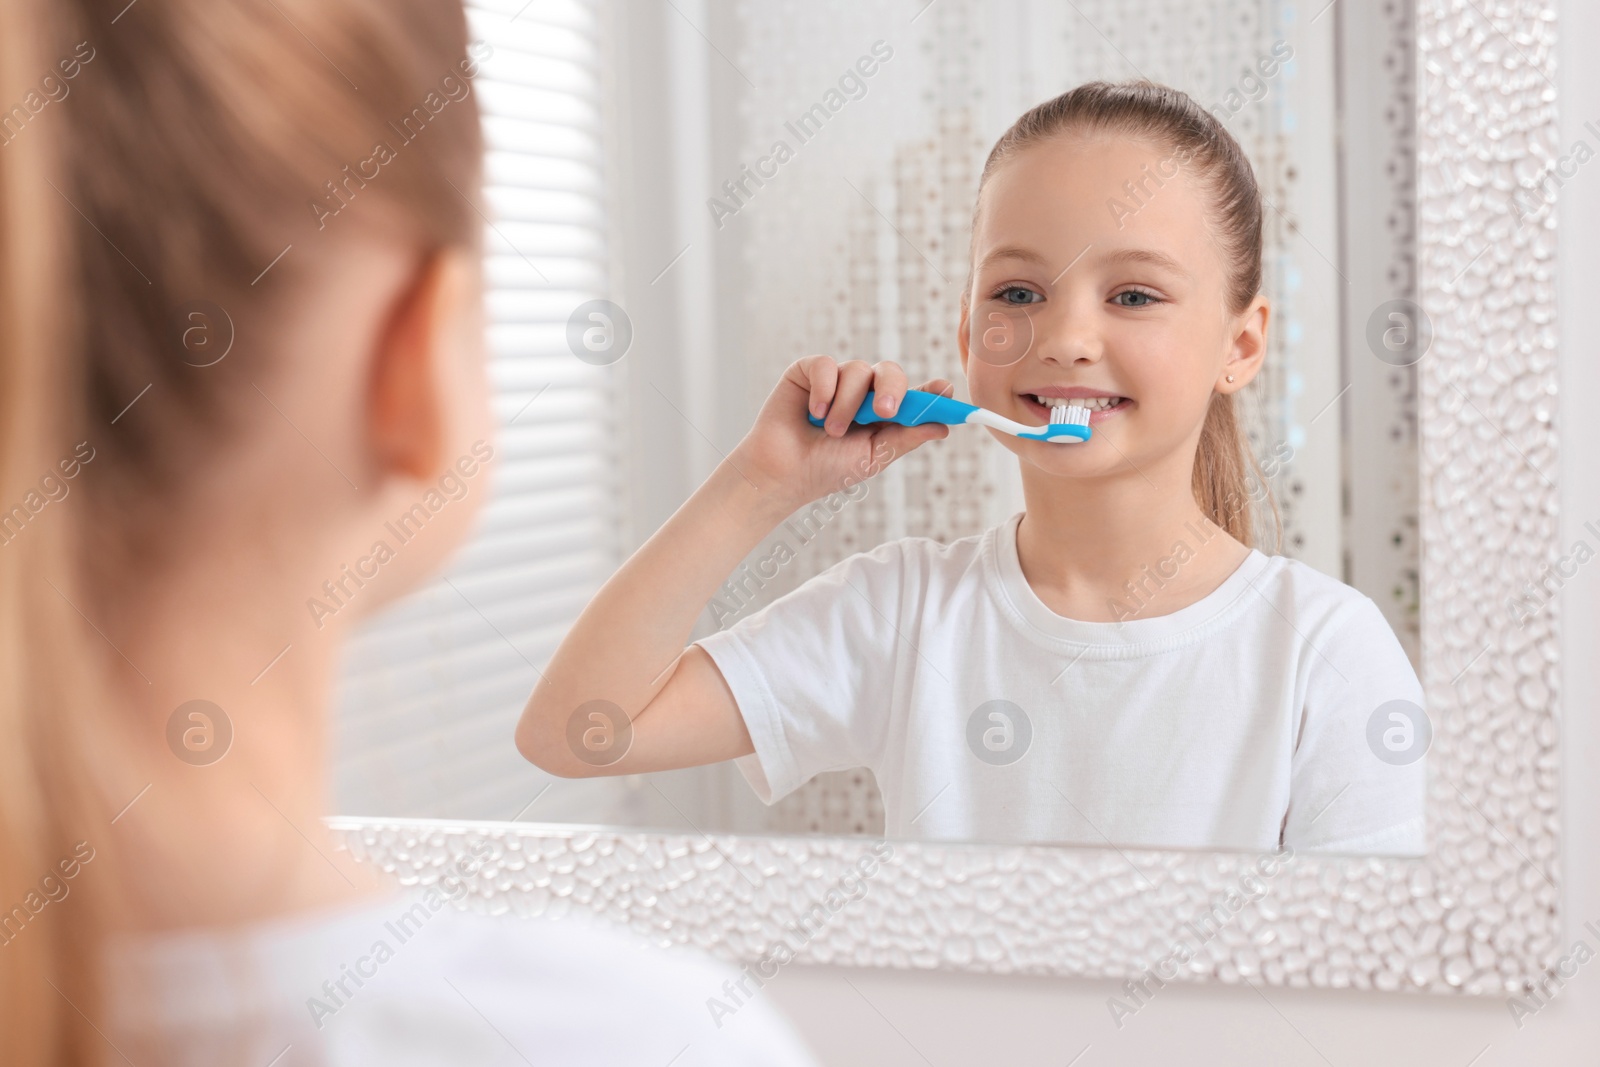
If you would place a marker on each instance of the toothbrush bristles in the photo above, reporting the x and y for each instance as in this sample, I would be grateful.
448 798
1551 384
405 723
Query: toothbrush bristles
1072 415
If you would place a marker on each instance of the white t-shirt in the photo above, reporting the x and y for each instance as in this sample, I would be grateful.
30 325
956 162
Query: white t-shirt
449 988
1238 722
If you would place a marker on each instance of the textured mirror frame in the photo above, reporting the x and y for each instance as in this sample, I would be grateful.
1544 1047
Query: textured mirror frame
1481 914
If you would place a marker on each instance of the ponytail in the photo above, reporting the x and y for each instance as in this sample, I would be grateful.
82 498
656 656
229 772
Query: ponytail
47 954
1225 469
151 157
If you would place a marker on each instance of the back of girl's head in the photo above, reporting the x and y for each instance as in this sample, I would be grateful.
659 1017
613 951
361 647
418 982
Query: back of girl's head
1225 469
161 156
258 130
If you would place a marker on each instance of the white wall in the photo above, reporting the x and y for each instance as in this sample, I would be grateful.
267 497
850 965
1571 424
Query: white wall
887 1018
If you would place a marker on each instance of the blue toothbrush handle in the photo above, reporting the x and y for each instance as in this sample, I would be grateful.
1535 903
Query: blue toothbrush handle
916 408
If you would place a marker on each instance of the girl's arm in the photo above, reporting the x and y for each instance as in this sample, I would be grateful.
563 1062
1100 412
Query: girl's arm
625 655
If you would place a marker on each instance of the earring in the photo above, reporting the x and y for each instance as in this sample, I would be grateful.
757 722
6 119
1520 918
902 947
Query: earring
1230 377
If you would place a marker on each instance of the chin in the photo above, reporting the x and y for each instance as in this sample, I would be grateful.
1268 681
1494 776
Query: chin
1072 461
1064 461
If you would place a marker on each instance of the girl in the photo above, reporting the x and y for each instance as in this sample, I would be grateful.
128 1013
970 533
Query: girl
241 390
1118 663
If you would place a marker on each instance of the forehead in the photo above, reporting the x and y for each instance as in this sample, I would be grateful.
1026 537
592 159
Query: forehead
1058 195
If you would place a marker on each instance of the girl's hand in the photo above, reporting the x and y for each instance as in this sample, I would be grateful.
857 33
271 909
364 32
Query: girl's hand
784 454
626 651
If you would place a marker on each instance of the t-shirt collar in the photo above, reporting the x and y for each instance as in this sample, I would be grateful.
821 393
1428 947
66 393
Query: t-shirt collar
1142 633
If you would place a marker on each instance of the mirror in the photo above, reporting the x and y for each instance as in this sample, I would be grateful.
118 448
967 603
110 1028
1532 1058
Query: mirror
686 201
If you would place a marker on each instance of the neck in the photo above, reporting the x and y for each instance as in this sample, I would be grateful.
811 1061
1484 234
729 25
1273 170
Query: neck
219 841
1083 541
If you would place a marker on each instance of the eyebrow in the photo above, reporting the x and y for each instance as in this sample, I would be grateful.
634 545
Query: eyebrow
1025 255
1148 256
1122 255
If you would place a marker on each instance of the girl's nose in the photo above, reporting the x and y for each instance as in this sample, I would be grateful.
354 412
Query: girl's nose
1068 342
1069 331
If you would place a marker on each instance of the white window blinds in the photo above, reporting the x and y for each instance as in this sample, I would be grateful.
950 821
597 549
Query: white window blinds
432 688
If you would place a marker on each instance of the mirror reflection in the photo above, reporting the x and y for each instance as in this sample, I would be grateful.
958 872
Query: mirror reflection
1107 535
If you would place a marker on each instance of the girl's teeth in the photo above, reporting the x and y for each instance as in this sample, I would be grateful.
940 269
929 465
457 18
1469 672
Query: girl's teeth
1093 403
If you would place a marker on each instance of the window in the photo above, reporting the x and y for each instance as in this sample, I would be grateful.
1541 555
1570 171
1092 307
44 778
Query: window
432 688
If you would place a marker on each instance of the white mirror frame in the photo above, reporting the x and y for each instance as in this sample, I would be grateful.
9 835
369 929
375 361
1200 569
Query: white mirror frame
1481 914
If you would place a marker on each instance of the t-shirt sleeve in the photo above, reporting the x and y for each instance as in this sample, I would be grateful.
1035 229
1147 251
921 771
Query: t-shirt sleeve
1358 777
813 672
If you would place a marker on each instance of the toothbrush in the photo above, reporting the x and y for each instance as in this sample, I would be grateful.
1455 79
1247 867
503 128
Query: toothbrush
1068 425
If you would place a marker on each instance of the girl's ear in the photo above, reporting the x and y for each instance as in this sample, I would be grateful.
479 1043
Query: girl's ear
1249 348
408 399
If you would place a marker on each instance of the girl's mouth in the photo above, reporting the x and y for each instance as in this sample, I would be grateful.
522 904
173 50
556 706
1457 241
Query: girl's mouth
1100 408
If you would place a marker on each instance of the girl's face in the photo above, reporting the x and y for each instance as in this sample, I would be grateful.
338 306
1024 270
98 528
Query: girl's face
1096 275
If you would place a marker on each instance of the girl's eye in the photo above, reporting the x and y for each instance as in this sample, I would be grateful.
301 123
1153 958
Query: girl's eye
1145 299
1016 294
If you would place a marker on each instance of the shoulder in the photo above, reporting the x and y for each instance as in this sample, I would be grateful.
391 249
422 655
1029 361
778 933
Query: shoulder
567 950
888 579
578 979
1306 595
1343 629
573 990
413 979
924 551
912 560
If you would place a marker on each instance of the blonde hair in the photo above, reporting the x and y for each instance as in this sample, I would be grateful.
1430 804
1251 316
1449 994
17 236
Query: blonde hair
178 162
1224 465
34 632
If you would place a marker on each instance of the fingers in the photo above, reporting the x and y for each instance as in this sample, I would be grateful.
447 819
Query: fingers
855 378
821 377
835 391
939 386
889 388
